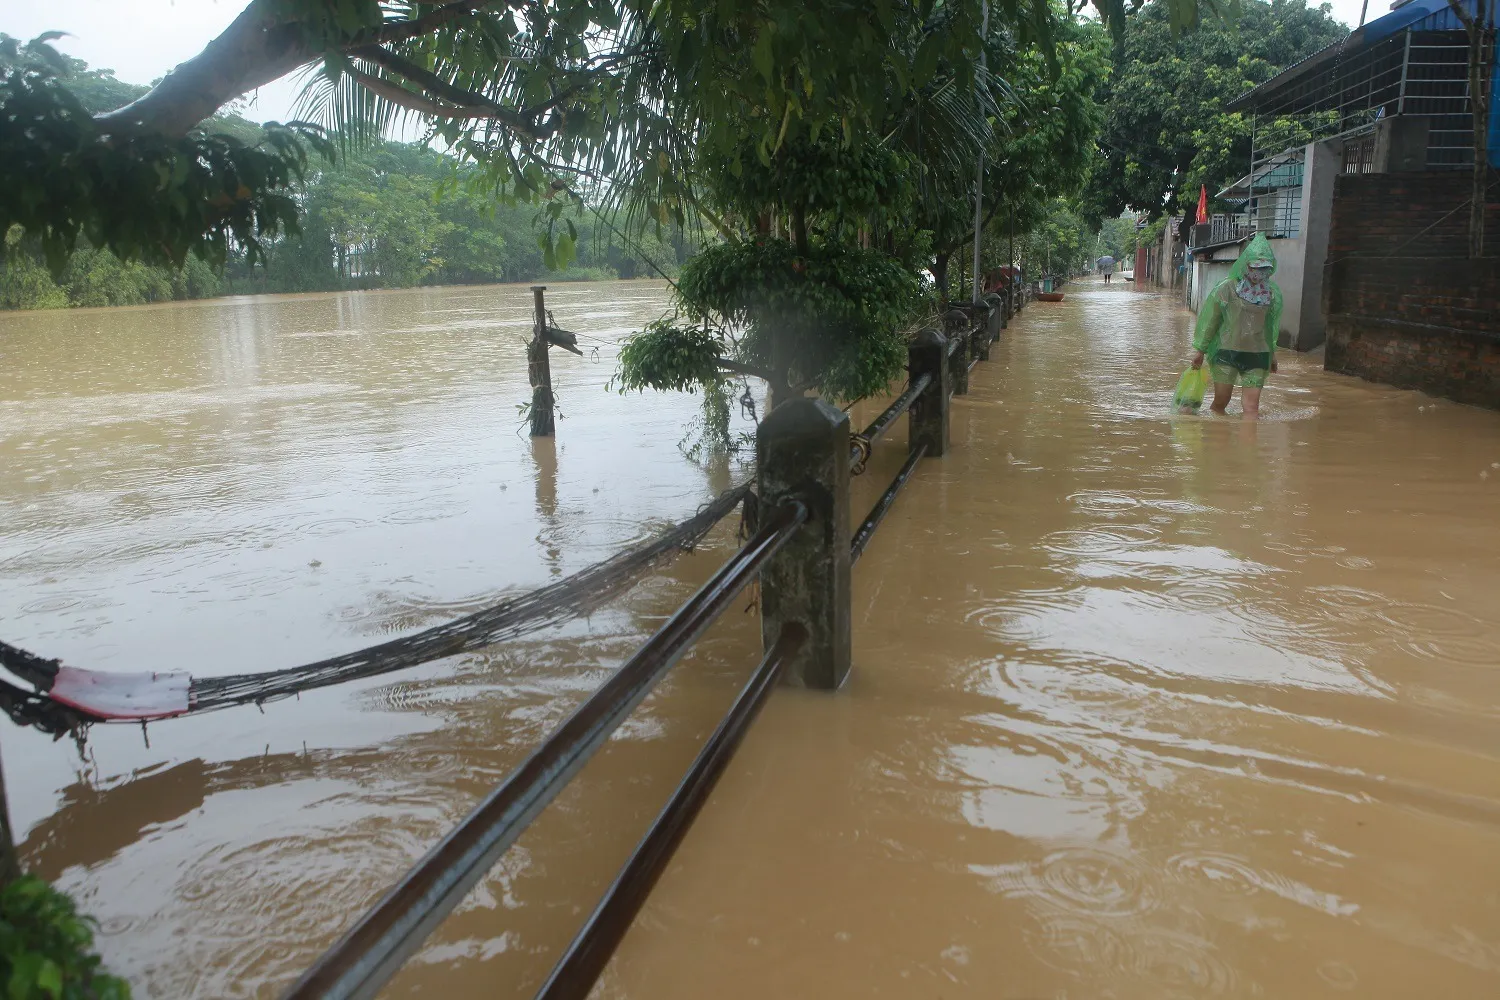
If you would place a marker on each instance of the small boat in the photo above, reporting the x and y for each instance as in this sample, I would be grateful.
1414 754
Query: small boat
1049 296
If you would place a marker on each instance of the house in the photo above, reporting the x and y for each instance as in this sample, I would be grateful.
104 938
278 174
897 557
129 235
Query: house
1159 257
1385 135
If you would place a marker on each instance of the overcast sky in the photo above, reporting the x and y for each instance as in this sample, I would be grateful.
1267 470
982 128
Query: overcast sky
143 39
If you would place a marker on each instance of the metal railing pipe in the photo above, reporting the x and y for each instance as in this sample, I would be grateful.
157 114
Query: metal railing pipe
361 962
575 973
882 507
859 448
892 413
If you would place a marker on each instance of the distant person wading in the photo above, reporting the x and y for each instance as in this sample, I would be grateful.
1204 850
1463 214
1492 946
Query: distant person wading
1237 328
1106 267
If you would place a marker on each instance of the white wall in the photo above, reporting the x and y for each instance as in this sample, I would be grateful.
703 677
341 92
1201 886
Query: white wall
1290 263
1324 160
1205 275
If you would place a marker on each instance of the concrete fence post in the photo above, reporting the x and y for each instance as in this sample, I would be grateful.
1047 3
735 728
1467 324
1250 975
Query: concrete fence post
979 335
802 452
927 420
956 329
996 318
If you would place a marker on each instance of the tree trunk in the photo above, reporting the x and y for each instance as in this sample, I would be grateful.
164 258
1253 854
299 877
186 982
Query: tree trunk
253 51
940 279
262 44
1481 29
1479 33
799 229
780 377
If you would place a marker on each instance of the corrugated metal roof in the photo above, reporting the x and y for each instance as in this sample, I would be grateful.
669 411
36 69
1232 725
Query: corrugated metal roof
1278 173
1417 15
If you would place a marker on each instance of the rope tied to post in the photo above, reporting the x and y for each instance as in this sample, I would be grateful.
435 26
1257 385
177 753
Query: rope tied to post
859 454
68 699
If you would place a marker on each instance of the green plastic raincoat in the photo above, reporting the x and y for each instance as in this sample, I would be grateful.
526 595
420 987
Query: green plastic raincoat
1232 328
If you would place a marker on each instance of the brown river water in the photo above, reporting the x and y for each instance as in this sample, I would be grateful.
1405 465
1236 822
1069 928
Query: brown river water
1142 706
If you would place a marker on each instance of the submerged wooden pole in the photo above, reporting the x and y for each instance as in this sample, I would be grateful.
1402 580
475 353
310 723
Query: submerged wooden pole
539 369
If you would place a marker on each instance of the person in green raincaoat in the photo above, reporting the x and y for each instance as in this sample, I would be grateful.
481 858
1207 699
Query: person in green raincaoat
1237 328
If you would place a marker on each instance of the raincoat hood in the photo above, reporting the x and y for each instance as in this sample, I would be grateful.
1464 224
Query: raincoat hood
1258 249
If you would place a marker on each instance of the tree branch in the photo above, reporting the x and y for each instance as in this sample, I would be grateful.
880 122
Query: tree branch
462 103
735 368
1464 16
259 46
403 31
254 50
420 103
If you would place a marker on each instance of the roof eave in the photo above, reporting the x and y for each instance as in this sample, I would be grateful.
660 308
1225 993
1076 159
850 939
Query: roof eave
1295 72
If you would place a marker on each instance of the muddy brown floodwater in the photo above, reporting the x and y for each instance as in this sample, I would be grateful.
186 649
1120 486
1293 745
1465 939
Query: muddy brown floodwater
1142 707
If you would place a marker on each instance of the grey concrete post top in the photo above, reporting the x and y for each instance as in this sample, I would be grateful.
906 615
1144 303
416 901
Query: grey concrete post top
929 337
804 417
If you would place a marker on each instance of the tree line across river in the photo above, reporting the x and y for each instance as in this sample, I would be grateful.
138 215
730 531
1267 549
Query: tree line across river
392 216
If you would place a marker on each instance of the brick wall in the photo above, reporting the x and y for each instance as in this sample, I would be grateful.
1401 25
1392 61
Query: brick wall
1405 305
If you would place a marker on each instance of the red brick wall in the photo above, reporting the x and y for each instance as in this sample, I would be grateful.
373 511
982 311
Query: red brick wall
1404 303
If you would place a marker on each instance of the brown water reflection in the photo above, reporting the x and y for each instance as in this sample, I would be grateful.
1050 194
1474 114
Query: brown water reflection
1142 707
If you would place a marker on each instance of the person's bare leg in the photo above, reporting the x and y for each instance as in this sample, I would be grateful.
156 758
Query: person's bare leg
1250 403
1222 392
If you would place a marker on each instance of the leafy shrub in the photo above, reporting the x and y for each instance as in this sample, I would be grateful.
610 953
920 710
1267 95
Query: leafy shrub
46 947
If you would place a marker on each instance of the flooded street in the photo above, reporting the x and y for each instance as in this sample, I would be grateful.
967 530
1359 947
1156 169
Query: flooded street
1141 707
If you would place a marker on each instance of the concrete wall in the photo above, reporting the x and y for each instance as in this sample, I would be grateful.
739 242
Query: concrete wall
1404 304
1205 275
1303 324
1290 278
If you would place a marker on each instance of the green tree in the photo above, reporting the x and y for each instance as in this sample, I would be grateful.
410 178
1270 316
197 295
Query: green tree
536 93
828 305
1164 133
1042 145
46 947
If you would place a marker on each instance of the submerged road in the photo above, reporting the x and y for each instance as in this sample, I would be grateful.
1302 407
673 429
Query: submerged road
1142 706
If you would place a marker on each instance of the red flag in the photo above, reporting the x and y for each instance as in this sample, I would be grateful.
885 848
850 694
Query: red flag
1202 204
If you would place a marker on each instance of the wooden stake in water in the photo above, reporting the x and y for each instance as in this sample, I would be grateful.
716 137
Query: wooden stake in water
539 369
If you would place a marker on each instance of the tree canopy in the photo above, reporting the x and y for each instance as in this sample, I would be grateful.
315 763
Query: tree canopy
541 94
391 216
1164 131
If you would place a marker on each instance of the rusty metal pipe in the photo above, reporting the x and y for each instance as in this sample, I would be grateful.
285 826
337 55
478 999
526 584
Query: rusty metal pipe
366 957
575 973
882 507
